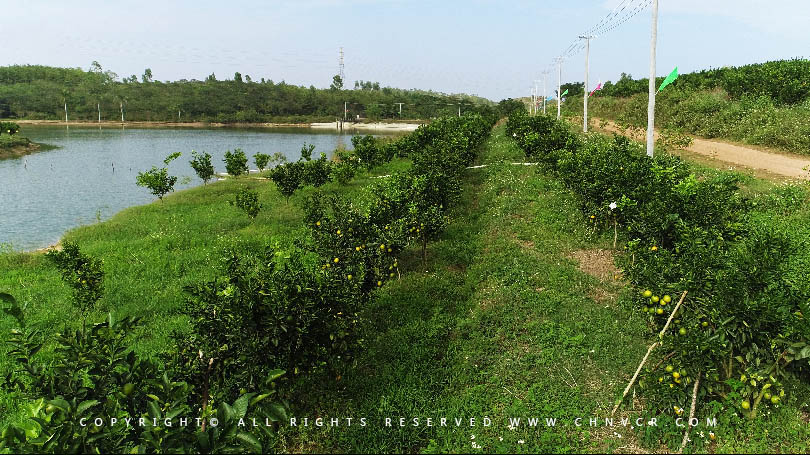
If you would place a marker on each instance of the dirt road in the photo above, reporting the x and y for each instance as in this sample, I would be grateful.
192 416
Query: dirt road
719 153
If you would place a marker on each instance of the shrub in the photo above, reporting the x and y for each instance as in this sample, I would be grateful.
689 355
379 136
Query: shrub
317 172
80 272
345 168
97 376
261 160
306 152
236 163
248 201
365 148
158 181
266 313
288 178
201 163
9 128
741 330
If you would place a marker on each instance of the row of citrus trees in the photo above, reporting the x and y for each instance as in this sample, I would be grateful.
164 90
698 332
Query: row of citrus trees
271 314
743 331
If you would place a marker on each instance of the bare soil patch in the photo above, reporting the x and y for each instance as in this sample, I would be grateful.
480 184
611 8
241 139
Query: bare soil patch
597 263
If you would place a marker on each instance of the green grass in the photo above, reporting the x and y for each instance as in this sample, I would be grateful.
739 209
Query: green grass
150 253
501 323
504 324
711 114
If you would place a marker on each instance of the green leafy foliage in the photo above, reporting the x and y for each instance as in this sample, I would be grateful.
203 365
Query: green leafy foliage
288 177
261 160
346 167
236 163
248 201
29 91
93 397
158 180
744 317
81 272
201 163
318 172
9 128
267 313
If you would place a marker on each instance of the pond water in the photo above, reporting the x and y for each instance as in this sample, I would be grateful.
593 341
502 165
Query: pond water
92 174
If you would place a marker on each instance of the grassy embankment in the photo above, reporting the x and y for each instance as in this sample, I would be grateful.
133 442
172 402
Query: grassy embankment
517 315
16 146
150 252
710 114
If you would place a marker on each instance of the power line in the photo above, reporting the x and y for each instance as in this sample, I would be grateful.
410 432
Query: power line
631 13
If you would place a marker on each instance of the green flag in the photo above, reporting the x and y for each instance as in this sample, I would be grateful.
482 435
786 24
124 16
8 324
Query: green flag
670 79
564 93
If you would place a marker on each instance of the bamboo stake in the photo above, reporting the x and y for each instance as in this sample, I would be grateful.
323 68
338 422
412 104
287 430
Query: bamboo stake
691 414
644 360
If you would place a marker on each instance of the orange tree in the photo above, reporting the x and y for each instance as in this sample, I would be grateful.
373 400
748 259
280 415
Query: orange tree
743 329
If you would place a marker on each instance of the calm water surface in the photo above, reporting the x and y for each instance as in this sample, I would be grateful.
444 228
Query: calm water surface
92 173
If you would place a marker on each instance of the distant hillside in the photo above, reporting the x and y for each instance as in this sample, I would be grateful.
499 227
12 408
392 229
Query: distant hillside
40 92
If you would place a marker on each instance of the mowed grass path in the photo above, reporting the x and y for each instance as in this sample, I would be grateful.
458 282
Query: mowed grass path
503 324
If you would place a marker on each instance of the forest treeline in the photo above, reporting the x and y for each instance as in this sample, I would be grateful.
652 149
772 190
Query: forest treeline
41 92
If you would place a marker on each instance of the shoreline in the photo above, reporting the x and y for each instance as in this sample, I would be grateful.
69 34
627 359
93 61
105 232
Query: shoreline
350 126
19 151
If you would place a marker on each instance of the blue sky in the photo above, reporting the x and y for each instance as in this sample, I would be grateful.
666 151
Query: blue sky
485 47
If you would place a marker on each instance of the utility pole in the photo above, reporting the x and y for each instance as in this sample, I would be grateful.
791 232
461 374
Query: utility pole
345 109
651 105
545 73
66 119
400 108
340 66
585 97
121 105
531 98
99 112
559 84
459 110
536 96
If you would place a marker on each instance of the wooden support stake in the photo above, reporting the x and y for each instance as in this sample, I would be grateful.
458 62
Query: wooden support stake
644 360
691 413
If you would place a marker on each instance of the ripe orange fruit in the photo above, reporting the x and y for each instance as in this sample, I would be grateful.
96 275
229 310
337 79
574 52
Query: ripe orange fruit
660 311
654 299
647 294
337 260
667 298
746 404
669 368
